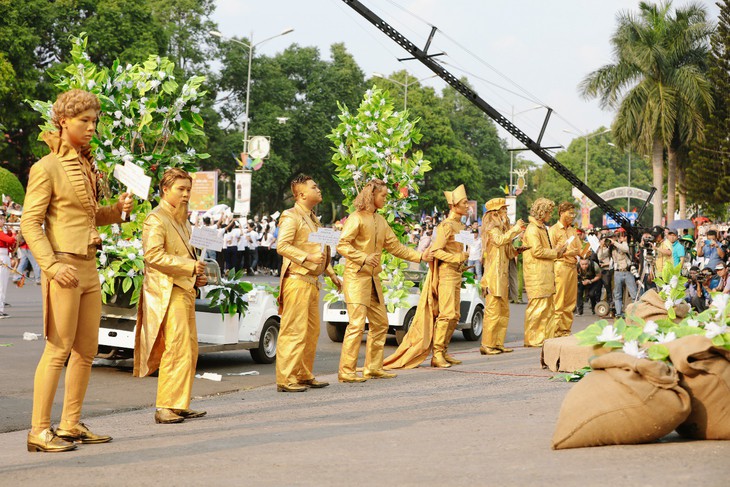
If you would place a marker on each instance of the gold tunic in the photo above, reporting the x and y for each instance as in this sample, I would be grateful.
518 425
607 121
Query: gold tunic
166 336
497 255
299 296
566 277
539 275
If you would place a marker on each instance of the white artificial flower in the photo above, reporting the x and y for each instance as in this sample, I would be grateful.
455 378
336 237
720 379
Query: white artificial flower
131 273
608 334
90 84
668 304
177 118
693 323
116 123
161 74
195 109
389 131
669 337
651 327
102 258
190 152
376 114
343 151
387 152
101 279
115 229
128 121
110 273
128 158
357 175
674 281
720 301
107 142
632 348
131 256
666 289
154 84
712 329
80 67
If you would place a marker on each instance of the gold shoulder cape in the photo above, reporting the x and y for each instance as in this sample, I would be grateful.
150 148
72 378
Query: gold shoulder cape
417 344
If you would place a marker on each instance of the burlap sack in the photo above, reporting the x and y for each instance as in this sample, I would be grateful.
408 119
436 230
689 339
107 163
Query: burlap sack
623 401
704 372
651 307
563 354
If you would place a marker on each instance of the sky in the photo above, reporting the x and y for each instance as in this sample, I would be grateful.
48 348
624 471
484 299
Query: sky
519 55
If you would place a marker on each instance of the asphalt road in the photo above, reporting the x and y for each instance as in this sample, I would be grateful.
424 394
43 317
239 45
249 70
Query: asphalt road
113 389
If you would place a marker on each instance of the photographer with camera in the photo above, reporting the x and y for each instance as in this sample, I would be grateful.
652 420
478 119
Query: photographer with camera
662 250
712 251
697 289
622 276
722 284
603 254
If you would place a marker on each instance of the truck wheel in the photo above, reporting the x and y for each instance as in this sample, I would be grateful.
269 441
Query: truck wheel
265 353
474 332
336 331
400 333
603 309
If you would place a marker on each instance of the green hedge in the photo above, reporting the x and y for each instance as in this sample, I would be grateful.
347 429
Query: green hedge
10 185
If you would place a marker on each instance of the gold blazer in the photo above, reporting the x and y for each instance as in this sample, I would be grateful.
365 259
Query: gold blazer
59 197
497 255
559 235
448 252
293 245
169 261
538 261
366 233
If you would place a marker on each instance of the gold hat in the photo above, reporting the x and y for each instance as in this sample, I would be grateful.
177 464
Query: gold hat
496 204
453 197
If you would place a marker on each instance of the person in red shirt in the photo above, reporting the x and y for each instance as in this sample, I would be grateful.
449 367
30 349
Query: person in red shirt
7 244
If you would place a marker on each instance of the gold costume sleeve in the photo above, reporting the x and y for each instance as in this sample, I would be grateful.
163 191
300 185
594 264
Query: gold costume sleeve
393 245
532 240
37 198
153 242
106 215
444 233
346 248
284 246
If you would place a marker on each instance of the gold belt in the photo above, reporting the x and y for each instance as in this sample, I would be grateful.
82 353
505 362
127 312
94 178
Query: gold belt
90 253
303 277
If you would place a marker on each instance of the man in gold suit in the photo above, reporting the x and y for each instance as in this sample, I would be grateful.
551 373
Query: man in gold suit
364 236
62 199
441 294
497 239
166 336
538 263
566 269
303 263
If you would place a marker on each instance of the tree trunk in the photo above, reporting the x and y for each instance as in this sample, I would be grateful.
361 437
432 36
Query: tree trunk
657 167
671 183
682 190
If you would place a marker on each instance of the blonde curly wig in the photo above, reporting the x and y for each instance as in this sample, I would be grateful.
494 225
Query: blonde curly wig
541 208
364 199
70 103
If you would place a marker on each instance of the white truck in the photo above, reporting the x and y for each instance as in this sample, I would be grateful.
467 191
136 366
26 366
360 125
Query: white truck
256 331
471 321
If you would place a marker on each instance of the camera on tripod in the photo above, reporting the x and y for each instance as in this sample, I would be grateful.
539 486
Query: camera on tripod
647 243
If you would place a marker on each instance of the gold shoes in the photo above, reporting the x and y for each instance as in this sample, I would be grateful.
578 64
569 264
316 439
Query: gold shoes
47 441
81 434
167 416
290 388
189 413
439 361
507 350
313 383
350 378
450 359
490 351
378 374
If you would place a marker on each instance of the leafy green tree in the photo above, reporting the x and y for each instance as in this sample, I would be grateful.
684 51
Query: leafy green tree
708 175
657 85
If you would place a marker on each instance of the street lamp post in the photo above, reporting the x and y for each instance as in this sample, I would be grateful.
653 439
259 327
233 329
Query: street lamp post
250 48
512 142
628 197
404 85
586 136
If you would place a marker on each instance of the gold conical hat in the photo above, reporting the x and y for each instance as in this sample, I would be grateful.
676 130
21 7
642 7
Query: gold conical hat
453 197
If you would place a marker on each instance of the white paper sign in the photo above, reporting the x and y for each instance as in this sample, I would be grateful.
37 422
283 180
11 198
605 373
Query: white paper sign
570 240
465 237
206 238
325 236
133 177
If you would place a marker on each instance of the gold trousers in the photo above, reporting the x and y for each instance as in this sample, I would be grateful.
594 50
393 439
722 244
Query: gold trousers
299 332
72 327
566 296
179 336
496 319
449 297
538 321
377 329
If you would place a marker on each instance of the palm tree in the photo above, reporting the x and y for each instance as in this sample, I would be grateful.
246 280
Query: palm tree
657 86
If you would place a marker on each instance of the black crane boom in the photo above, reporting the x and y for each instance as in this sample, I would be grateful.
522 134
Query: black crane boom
427 59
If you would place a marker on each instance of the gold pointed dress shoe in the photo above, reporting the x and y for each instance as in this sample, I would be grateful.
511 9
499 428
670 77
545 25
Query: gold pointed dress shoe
506 350
290 388
47 441
189 413
490 351
81 434
378 374
439 361
450 359
350 378
313 383
167 416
